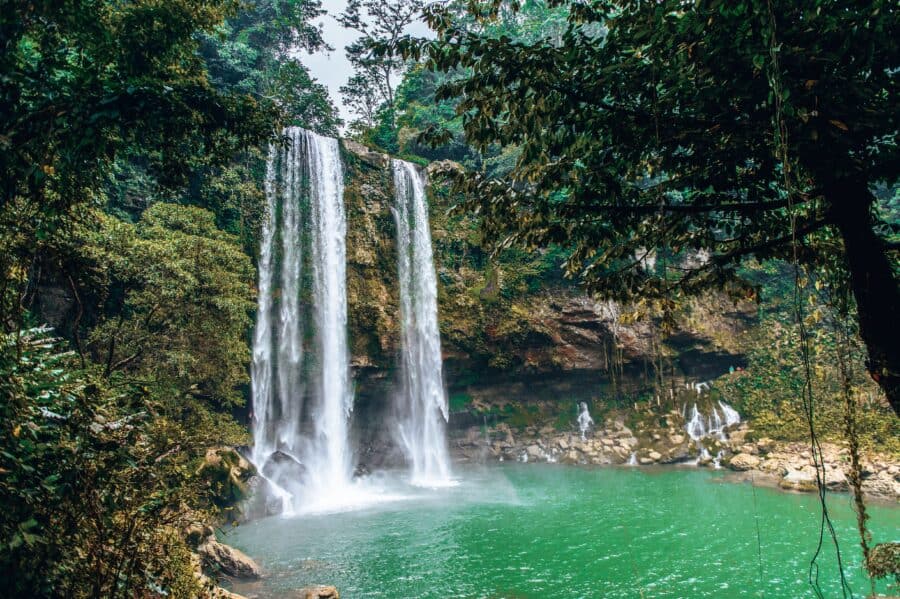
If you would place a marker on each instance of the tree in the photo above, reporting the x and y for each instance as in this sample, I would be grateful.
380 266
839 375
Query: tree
84 79
81 82
382 24
176 296
256 52
93 485
705 133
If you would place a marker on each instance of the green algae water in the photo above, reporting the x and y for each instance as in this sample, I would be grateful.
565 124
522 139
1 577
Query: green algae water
538 531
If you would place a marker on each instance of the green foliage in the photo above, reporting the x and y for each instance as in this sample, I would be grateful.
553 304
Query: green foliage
770 390
180 294
93 478
710 131
255 52
371 91
459 401
83 80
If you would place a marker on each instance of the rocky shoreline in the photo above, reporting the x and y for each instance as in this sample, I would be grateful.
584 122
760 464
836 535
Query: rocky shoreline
787 465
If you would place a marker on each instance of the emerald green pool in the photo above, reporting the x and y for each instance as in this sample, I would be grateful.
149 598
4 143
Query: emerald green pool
539 531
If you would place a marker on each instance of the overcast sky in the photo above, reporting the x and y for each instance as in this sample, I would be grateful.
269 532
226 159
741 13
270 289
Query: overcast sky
332 69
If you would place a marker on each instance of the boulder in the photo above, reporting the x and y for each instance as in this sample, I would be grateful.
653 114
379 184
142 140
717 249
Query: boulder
570 457
645 461
799 480
744 461
749 448
223 558
318 592
655 456
773 466
676 439
836 480
444 168
628 441
283 469
882 485
563 444
534 451
622 453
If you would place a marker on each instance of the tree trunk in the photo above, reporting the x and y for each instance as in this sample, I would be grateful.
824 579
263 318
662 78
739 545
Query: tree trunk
873 283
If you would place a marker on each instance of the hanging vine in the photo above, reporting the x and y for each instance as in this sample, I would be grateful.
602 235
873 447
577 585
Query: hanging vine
782 155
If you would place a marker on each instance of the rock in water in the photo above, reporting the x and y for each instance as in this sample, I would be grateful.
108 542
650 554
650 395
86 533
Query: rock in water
318 592
228 560
799 480
283 469
744 461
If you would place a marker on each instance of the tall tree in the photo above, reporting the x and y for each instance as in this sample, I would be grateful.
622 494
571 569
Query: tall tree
381 24
257 51
730 129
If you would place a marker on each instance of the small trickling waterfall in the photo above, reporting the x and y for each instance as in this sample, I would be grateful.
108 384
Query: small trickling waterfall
714 424
299 450
422 402
584 420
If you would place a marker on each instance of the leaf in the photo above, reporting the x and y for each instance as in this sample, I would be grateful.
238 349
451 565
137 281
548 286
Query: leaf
839 124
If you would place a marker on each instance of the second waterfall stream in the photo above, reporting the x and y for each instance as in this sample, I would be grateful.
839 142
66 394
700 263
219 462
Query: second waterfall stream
422 402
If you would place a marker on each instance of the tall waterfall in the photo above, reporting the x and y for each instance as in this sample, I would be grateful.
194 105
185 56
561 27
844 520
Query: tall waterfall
302 451
422 403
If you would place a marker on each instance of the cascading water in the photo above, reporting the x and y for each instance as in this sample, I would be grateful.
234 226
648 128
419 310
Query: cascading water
330 465
422 404
731 415
304 183
584 420
695 427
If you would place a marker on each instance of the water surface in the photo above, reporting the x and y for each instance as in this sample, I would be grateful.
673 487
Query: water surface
537 531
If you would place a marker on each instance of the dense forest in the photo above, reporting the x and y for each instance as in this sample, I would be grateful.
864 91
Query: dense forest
715 175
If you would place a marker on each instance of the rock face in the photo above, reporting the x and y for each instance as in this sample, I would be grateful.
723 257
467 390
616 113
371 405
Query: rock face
492 317
219 557
367 155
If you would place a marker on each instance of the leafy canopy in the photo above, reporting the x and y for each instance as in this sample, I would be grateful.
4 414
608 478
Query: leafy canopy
700 133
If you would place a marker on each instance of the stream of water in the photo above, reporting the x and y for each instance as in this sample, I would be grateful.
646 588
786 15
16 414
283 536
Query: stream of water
422 409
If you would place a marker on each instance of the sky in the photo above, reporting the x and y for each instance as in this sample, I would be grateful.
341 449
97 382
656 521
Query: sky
332 69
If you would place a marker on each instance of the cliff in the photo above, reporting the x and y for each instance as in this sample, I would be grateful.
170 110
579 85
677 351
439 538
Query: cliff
508 315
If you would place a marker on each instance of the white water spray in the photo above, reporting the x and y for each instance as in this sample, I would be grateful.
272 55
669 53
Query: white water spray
422 404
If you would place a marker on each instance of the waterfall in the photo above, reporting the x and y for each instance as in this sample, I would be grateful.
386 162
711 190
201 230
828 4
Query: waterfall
330 462
305 211
695 426
731 415
261 366
584 420
422 403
